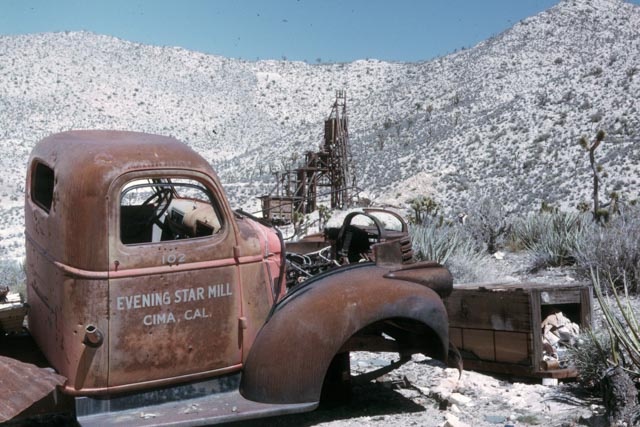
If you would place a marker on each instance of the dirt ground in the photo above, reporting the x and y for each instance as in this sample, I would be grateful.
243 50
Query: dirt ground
425 393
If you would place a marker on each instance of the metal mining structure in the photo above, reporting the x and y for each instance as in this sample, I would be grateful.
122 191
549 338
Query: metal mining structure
325 173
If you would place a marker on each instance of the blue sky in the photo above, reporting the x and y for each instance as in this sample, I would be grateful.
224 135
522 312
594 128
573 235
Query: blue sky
311 30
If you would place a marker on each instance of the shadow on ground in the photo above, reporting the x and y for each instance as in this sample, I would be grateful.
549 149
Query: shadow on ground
368 400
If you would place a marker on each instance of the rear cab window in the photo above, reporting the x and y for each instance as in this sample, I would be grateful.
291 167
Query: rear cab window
42 182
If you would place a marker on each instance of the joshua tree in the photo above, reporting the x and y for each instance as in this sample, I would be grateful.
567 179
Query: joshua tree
424 208
598 213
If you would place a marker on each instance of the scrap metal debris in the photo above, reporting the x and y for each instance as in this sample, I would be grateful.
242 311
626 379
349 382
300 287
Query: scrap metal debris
558 332
23 384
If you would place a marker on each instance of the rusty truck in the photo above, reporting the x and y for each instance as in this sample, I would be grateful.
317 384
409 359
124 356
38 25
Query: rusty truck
155 303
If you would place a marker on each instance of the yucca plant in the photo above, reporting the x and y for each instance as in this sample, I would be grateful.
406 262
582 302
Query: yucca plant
620 394
433 242
624 331
552 238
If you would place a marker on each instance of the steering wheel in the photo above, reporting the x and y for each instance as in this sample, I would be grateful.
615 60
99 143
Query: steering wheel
353 241
162 197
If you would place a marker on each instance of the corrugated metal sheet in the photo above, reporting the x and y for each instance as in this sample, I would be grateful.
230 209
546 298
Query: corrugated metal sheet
22 384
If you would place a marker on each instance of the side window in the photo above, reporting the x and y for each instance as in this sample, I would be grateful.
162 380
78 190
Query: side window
154 210
42 186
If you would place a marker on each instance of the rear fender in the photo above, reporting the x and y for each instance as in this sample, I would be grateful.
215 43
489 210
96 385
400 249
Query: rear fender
291 354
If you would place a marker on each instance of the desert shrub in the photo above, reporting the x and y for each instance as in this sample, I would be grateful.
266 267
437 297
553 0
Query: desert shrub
589 356
12 274
553 238
487 223
613 249
467 265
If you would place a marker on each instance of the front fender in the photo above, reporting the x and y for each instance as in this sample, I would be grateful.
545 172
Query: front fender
291 354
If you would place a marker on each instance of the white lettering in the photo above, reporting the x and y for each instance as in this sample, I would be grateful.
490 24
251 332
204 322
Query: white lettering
196 314
221 290
185 295
180 295
143 300
158 319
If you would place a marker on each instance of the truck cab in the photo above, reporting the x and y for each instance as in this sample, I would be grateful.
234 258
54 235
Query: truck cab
130 238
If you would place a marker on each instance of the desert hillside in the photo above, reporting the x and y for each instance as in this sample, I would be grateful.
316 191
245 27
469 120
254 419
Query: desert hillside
501 118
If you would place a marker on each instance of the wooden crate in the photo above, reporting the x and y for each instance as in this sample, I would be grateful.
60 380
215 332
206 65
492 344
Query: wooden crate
12 313
497 327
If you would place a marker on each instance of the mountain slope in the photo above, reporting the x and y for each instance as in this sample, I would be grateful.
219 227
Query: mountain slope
501 119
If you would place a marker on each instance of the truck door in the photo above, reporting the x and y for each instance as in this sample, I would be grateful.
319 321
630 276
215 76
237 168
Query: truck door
174 297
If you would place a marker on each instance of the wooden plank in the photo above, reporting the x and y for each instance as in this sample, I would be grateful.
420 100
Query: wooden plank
500 311
560 296
512 347
586 308
479 342
518 370
536 314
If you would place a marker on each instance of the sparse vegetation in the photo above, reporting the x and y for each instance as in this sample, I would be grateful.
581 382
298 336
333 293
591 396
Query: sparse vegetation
613 249
470 121
12 274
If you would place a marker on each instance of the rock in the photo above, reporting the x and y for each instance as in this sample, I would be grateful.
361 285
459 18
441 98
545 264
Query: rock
453 421
495 419
593 421
459 399
424 390
379 362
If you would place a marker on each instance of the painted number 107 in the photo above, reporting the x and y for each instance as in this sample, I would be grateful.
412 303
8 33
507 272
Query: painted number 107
173 258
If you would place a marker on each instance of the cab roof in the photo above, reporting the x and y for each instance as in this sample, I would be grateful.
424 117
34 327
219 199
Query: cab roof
102 155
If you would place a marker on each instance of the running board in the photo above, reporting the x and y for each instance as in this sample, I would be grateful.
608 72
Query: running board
214 409
203 403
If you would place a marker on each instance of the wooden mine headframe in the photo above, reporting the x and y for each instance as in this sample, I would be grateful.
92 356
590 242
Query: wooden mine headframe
324 173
